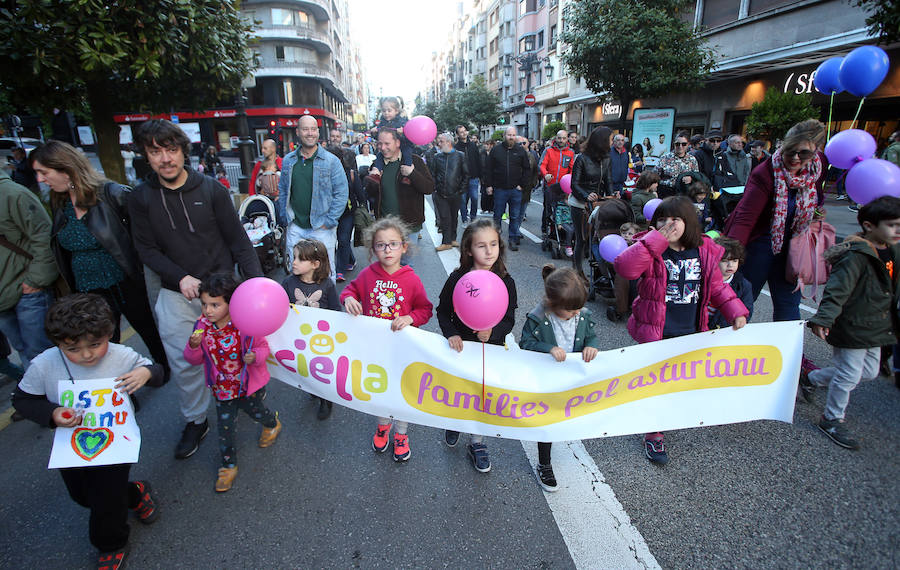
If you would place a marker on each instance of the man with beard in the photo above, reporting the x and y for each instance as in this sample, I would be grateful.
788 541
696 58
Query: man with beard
508 172
468 208
184 228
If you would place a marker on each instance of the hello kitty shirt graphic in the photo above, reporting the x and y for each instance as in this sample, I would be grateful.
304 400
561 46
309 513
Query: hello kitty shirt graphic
386 299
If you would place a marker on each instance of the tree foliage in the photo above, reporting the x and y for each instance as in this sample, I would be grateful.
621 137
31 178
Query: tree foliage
634 49
121 56
475 105
551 128
883 19
777 112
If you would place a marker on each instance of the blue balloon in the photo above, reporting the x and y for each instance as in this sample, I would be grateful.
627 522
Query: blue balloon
864 69
826 78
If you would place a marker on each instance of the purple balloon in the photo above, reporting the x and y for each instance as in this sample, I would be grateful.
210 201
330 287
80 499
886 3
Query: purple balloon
864 69
611 246
650 207
846 148
873 178
826 78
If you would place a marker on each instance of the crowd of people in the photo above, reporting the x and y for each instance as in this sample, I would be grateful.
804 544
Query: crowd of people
164 256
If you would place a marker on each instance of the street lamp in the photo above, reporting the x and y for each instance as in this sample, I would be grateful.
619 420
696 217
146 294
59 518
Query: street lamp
528 63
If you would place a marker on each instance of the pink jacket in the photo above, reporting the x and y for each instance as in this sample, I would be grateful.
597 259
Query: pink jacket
644 259
254 376
387 296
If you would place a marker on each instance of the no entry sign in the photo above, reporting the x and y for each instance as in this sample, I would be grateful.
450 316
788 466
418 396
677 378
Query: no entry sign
529 100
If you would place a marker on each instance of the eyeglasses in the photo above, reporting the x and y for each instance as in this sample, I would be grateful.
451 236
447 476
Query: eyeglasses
385 246
681 144
524 144
802 154
715 139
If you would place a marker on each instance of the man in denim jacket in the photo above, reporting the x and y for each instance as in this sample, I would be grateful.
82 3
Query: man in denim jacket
312 192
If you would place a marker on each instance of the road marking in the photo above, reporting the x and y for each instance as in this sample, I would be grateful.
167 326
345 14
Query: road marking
526 233
6 418
127 334
803 307
597 530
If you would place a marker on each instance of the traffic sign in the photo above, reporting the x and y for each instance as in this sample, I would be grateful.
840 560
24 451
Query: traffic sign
530 100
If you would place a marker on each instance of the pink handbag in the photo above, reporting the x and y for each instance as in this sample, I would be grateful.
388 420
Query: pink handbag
806 265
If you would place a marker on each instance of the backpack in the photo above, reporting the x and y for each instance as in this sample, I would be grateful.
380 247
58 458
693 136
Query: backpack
806 263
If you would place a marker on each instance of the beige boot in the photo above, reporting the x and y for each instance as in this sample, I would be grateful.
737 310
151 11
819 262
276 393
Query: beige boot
226 478
268 435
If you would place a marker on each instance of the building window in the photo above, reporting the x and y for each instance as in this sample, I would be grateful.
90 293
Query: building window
540 39
282 17
294 54
553 36
720 12
526 44
526 6
757 6
288 94
492 74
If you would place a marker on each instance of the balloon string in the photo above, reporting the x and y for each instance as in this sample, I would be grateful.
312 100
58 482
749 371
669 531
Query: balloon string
483 389
828 128
858 109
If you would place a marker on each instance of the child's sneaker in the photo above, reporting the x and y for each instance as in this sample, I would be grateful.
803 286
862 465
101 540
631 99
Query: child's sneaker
380 439
226 478
113 560
478 454
339 278
807 388
838 433
655 448
401 447
546 478
451 437
146 509
268 435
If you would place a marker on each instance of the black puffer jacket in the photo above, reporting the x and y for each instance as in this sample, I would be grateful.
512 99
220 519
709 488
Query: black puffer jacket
450 172
473 157
590 176
507 167
108 223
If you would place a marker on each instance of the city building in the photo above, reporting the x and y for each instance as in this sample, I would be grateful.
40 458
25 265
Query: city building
306 65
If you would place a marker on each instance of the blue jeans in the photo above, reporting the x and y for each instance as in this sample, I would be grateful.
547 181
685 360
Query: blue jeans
23 325
763 266
345 256
513 197
468 208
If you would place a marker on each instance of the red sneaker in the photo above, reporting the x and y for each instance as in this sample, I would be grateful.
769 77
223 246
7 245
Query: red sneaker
380 439
145 510
401 447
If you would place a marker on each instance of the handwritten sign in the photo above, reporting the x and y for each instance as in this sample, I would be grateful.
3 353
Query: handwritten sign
107 434
710 378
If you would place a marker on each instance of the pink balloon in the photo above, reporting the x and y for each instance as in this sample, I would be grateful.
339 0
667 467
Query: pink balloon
566 183
259 307
846 148
611 246
420 130
873 178
650 208
480 299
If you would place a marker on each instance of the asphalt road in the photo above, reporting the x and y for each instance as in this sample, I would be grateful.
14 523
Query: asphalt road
753 495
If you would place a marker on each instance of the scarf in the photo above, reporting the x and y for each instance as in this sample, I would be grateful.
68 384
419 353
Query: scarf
807 198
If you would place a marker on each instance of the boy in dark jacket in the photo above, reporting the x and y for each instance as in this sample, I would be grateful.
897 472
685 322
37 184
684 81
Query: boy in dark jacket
730 265
854 316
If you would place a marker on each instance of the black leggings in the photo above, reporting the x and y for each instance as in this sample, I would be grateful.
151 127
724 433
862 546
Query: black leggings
106 491
578 222
227 411
544 453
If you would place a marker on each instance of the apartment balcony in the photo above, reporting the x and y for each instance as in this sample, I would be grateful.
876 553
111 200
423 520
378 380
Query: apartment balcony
280 68
320 9
314 38
552 91
515 100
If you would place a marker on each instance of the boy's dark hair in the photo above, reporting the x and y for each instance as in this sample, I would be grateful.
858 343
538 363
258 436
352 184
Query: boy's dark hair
77 316
631 226
564 288
698 187
160 132
878 210
681 207
733 249
466 261
647 179
314 250
220 285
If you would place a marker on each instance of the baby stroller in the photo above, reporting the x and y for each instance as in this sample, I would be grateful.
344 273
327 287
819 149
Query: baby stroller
558 220
257 213
606 218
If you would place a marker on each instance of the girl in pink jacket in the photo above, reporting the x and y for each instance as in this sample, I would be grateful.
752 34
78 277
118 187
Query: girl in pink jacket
680 280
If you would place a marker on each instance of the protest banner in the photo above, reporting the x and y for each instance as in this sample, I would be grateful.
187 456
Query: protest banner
108 433
710 378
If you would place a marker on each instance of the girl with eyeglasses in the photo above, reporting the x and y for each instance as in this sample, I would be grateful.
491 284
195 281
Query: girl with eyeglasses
388 290
780 200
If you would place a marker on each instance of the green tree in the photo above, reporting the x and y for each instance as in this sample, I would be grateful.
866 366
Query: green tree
497 135
883 19
777 112
480 105
634 49
121 56
551 128
449 113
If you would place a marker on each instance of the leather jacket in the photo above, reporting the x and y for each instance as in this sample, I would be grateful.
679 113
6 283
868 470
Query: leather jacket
589 176
450 171
108 222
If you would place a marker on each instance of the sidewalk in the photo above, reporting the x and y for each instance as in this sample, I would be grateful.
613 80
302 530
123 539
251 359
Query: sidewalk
840 216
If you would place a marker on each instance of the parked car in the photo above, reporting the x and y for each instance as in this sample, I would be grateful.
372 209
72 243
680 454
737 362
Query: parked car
7 144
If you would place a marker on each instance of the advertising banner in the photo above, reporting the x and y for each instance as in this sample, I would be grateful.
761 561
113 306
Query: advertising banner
653 130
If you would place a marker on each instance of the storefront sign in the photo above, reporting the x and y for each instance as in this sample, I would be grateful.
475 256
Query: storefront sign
611 109
653 131
798 83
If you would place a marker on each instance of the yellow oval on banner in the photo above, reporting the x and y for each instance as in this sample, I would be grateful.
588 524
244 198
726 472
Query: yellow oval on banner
433 391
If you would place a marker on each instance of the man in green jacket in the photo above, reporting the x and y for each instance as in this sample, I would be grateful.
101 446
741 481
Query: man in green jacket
27 269
892 152
855 315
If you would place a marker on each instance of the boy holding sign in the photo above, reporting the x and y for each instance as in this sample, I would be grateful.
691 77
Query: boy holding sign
80 326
